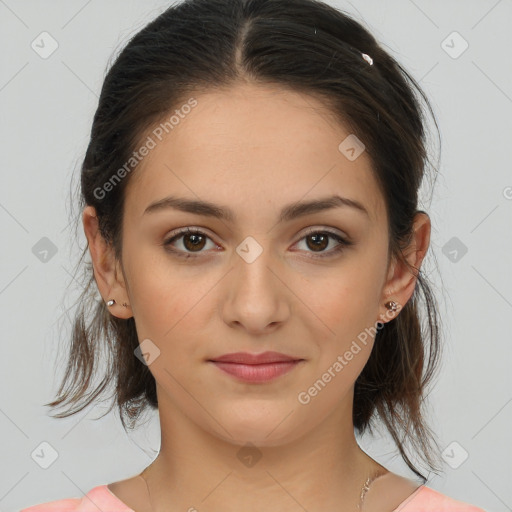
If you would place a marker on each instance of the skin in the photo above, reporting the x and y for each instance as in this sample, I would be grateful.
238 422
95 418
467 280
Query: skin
255 149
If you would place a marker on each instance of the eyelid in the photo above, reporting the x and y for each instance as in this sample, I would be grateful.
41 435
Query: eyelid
326 229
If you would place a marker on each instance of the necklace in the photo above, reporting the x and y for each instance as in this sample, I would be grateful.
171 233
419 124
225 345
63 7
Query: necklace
364 489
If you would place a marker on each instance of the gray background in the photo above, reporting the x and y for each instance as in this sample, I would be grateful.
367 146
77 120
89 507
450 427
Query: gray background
47 107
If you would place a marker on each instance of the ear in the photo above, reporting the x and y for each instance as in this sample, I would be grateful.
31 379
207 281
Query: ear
107 270
401 280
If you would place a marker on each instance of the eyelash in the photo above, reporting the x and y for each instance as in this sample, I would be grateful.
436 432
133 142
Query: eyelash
343 243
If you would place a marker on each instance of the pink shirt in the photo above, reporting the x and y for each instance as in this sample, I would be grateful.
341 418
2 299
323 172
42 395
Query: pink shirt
99 498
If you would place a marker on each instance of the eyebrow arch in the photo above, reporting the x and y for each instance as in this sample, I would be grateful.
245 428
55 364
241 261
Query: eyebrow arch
289 212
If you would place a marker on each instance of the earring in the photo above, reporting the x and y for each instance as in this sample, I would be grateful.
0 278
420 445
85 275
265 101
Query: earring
392 305
111 302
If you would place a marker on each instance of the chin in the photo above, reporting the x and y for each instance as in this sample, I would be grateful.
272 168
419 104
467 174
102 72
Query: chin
262 426
261 439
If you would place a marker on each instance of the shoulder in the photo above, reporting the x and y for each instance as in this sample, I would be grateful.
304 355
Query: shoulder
425 499
98 498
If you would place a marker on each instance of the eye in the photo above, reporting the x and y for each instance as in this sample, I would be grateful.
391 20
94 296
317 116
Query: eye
193 241
319 241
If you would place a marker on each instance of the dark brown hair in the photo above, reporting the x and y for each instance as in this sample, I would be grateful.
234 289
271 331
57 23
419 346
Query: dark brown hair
305 46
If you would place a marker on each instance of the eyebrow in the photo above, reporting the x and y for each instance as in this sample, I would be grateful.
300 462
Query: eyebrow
289 212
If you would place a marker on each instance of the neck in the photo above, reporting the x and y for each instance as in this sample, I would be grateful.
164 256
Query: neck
323 470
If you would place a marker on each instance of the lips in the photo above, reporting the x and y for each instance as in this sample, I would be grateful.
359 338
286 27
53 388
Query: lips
248 358
255 368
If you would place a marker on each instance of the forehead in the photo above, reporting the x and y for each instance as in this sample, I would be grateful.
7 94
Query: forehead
248 146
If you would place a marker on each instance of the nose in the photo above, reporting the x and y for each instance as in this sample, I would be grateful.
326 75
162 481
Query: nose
256 298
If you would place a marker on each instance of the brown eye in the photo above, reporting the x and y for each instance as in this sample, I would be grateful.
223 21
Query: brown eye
192 240
318 241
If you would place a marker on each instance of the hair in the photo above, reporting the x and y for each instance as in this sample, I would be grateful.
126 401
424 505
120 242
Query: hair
304 46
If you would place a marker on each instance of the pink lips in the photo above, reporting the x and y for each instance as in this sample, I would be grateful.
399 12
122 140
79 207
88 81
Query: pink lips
256 367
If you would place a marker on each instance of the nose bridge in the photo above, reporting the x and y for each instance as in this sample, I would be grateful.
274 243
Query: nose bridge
253 262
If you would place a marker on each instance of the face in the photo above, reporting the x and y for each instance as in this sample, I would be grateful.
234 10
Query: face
309 286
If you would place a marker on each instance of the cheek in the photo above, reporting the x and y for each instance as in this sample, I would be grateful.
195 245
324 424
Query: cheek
172 306
160 296
347 301
345 320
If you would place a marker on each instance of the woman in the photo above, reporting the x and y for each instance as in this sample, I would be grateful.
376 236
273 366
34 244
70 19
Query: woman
249 198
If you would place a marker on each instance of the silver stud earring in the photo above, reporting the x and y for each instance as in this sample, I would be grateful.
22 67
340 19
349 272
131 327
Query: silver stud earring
111 302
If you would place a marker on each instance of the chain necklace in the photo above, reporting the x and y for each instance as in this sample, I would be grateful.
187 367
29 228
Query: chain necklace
364 489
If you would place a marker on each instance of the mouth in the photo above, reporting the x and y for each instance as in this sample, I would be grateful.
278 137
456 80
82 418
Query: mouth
249 367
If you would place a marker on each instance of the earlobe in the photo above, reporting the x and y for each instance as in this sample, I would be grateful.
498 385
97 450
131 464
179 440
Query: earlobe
105 266
111 302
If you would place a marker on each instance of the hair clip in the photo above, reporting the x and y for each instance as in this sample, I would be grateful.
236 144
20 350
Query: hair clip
367 58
